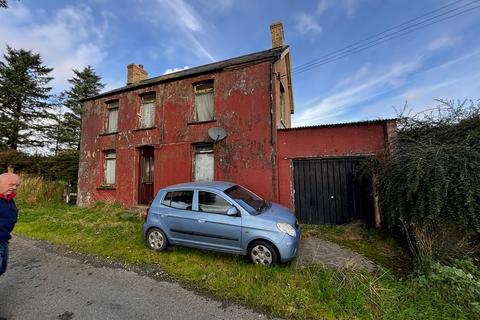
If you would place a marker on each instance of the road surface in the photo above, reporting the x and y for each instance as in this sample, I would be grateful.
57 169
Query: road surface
48 282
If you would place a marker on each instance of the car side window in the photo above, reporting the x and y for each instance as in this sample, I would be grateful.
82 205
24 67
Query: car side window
213 203
179 199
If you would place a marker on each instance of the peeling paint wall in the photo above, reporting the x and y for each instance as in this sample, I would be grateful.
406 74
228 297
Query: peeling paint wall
242 106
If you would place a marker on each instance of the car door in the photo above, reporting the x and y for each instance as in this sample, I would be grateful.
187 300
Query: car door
178 216
215 229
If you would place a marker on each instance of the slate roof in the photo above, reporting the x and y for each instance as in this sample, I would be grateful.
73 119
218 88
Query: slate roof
270 54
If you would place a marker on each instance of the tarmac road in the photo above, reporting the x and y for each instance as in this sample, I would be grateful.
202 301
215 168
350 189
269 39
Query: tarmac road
48 282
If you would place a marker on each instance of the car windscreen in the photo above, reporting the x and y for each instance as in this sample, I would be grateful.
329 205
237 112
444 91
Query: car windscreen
249 201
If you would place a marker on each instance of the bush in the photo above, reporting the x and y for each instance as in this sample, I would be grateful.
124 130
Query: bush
430 186
459 283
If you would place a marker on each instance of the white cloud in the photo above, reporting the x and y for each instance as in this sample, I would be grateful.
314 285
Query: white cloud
172 70
441 43
68 39
339 102
349 6
360 74
306 24
179 15
323 5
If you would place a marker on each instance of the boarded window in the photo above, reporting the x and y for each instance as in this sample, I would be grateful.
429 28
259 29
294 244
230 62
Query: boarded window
110 164
112 121
179 200
203 163
211 202
147 111
204 101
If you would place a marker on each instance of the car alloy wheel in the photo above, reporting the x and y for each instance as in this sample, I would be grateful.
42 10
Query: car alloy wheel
263 253
156 239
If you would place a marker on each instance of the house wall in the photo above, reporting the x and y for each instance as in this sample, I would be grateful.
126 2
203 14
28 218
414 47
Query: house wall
242 104
327 141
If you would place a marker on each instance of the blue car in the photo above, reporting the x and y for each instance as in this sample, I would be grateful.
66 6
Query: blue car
222 216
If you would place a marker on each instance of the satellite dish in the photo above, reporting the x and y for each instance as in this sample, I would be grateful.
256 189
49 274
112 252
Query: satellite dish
217 133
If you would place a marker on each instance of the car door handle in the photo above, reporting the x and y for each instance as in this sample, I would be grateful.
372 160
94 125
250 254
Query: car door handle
201 221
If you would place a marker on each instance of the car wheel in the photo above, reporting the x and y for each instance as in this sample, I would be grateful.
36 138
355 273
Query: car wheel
262 252
156 239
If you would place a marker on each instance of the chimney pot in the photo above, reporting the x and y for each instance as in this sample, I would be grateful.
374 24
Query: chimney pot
278 39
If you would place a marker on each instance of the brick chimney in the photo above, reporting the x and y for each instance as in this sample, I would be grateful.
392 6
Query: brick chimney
136 73
278 40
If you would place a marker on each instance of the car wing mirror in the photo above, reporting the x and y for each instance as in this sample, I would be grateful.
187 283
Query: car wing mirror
232 211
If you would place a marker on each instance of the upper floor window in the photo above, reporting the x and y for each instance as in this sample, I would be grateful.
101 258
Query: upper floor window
204 101
112 117
110 164
147 111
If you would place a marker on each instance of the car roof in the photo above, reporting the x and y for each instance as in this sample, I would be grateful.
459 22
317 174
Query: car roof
217 185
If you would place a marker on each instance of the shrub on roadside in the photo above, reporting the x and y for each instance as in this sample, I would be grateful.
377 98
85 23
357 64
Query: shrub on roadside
458 283
430 186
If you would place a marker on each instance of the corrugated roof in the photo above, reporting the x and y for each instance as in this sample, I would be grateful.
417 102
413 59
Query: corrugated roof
361 123
270 54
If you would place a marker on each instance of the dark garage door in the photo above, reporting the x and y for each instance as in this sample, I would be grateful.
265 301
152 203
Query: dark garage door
330 191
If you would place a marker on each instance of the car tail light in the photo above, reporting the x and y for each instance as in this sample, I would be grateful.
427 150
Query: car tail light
145 214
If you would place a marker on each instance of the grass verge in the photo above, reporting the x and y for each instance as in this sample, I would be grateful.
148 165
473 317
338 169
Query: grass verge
309 292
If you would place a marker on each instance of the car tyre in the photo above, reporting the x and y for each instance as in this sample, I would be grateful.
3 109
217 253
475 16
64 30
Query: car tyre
262 252
156 239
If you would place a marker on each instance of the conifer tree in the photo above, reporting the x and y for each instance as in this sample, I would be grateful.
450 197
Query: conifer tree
84 84
24 94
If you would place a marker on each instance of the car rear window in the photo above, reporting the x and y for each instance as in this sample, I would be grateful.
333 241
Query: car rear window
179 199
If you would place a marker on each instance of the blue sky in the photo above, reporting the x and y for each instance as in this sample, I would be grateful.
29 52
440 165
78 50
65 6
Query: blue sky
440 61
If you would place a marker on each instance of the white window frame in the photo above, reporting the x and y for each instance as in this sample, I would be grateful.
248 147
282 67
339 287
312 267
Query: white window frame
112 117
110 167
146 117
205 154
204 102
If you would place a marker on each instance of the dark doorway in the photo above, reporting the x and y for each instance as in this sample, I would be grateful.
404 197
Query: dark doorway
332 191
145 190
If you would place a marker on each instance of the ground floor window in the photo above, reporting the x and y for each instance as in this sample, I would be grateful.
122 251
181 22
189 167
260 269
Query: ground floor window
203 162
109 166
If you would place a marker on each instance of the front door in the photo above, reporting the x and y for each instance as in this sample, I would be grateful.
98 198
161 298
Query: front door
145 190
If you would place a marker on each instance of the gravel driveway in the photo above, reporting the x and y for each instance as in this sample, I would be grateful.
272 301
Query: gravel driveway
315 250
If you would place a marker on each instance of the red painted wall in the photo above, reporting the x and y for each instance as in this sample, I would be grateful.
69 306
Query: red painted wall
242 102
327 141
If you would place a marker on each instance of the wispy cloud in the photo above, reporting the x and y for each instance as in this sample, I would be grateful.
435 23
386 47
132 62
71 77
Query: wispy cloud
179 15
442 42
339 102
350 7
71 38
354 77
172 70
306 24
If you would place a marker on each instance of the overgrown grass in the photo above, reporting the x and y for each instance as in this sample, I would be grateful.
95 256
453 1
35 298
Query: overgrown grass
35 190
310 292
